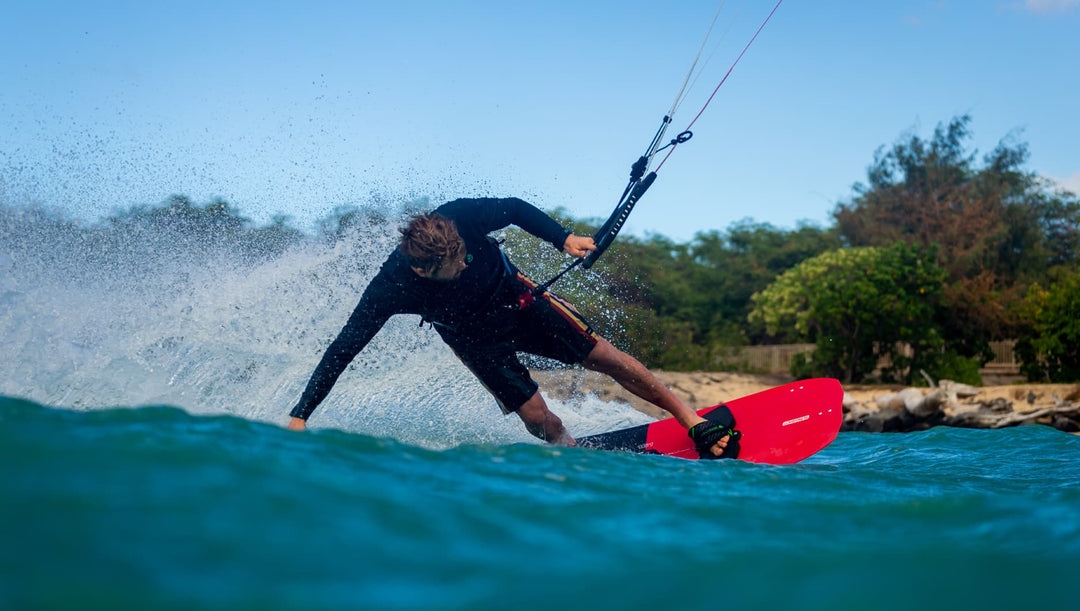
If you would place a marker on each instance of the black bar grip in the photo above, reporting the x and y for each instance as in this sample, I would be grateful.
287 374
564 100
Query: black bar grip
606 235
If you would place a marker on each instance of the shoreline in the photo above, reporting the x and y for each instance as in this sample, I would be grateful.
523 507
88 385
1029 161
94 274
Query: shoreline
707 388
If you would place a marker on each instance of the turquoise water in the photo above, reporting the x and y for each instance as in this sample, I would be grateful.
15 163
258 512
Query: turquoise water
158 508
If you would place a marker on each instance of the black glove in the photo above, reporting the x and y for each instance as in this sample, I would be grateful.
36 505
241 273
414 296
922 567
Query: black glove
719 424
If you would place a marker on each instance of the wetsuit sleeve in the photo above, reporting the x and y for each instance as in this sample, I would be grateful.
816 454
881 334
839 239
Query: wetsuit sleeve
369 316
490 214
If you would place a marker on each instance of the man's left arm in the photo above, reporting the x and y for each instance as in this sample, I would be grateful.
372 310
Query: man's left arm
495 213
534 220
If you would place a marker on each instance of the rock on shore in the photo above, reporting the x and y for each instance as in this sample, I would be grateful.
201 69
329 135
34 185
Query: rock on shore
866 408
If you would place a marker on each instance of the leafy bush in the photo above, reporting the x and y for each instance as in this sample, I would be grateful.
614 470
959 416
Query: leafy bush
858 305
1049 345
952 366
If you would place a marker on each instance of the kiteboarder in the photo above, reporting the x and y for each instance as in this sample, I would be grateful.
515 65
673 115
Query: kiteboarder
448 270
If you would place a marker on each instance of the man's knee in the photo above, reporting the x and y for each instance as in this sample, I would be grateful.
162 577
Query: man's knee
605 356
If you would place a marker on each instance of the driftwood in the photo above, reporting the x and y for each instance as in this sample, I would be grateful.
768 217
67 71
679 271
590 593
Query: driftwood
950 404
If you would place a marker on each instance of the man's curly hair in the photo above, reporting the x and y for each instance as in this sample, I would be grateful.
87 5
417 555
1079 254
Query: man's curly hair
429 239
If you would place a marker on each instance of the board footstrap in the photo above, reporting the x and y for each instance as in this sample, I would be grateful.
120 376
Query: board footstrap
722 423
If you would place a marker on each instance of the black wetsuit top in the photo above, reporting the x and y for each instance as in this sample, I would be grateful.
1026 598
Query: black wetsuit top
461 306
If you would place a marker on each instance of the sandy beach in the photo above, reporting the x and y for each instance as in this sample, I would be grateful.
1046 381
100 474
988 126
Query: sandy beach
704 389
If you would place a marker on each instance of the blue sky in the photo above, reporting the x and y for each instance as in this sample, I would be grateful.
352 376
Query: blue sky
299 107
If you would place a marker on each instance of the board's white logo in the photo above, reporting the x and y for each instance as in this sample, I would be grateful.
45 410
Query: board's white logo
796 420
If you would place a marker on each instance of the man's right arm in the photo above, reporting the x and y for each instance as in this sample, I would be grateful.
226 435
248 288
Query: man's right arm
363 324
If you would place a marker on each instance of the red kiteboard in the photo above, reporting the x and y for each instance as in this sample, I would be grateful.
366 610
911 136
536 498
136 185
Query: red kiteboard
781 425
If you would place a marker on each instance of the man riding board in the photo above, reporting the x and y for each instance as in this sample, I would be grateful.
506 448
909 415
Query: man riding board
447 270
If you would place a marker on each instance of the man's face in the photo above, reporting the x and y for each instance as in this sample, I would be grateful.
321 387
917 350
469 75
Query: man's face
448 271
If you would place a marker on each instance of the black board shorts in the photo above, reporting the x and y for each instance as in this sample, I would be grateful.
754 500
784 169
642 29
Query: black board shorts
548 327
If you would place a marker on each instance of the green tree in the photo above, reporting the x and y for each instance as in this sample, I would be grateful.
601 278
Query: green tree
743 261
693 298
858 305
1049 344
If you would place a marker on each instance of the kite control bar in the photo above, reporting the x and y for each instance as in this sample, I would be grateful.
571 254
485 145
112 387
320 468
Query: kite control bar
606 234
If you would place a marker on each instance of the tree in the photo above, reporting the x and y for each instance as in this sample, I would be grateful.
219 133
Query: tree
858 305
1049 344
995 227
177 214
929 193
746 259
696 296
271 241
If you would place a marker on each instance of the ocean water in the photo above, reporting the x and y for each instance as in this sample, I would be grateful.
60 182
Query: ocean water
143 465
157 508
